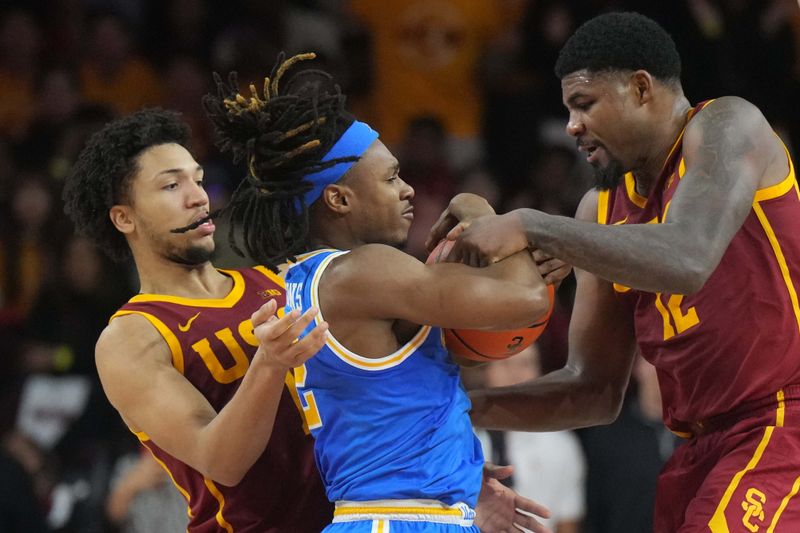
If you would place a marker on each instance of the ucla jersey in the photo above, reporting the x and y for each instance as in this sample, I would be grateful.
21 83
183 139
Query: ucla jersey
396 427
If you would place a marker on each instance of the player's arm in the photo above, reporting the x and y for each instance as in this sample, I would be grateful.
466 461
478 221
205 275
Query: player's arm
590 388
379 282
729 150
134 364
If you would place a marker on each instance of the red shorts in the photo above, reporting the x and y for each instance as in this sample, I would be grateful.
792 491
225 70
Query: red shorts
743 477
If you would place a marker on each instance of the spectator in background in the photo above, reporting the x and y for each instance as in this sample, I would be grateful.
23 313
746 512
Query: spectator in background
427 59
62 405
20 46
57 98
21 500
426 168
112 74
29 238
624 459
142 499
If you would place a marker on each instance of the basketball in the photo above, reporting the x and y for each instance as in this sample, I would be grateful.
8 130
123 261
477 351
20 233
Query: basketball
478 345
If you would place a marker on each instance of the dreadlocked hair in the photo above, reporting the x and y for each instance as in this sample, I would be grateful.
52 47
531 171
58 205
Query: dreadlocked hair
102 175
282 136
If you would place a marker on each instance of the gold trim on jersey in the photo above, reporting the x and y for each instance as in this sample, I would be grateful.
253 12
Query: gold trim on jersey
166 333
779 189
630 181
275 278
308 255
352 358
718 522
782 264
432 511
630 187
212 488
291 386
603 198
228 301
163 465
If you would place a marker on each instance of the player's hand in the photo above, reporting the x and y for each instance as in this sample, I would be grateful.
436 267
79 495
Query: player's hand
462 209
553 270
277 337
487 240
501 510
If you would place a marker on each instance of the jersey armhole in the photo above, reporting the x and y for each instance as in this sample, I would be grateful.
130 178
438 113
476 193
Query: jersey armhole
172 341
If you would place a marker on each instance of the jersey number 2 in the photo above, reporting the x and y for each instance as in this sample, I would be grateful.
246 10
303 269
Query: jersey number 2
307 400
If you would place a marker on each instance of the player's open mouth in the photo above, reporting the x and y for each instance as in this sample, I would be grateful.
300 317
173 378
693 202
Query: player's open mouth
592 152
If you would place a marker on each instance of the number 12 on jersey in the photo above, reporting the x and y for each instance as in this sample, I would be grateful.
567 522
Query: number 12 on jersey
671 313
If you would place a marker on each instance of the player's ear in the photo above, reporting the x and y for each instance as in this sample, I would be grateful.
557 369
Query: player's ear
337 198
642 85
122 218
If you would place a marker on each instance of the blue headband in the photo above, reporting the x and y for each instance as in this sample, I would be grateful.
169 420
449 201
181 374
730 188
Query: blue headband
353 143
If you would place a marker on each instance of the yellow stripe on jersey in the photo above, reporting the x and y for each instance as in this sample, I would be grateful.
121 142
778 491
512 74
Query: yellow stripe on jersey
276 278
630 186
291 385
779 189
345 511
221 499
776 248
309 255
782 506
229 301
718 522
359 361
382 363
781 409
602 206
169 336
183 491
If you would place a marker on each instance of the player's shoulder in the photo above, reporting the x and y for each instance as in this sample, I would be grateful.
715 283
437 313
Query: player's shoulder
127 338
588 206
733 113
368 262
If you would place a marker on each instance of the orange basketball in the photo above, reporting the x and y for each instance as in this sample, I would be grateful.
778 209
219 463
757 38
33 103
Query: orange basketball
489 345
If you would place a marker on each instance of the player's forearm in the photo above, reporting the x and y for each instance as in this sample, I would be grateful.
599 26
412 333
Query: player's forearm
560 400
232 442
652 257
528 293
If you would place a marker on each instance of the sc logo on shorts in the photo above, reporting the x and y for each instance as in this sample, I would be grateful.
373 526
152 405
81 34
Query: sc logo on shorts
753 506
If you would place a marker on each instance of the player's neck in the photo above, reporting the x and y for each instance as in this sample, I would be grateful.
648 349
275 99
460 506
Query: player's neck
169 278
663 140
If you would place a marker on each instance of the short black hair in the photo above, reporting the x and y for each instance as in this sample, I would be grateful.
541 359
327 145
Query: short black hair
621 41
281 135
102 174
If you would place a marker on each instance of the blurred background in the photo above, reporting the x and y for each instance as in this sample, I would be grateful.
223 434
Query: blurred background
461 90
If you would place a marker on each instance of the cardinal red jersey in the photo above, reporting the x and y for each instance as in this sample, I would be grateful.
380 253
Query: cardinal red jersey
735 344
212 343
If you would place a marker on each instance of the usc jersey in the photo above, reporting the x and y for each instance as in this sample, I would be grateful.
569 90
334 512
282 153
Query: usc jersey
735 344
212 343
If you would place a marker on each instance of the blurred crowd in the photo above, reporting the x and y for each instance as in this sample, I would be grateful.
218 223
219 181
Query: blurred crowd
461 90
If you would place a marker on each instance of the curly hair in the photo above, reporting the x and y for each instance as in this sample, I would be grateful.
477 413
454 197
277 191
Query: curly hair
101 177
282 136
621 41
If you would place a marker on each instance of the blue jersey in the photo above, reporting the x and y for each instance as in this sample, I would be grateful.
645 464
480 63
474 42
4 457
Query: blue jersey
396 427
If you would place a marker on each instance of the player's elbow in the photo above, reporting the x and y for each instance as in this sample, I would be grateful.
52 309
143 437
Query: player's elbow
226 475
694 275
532 304
603 398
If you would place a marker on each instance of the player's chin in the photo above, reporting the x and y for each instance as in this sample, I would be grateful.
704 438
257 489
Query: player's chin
194 255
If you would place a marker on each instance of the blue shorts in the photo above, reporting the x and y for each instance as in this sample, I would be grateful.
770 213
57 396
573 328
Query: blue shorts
402 516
